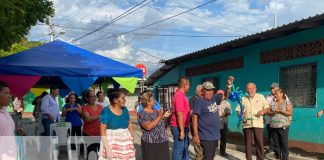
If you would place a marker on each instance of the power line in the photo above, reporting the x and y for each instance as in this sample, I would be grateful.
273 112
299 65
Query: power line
125 16
231 27
112 21
113 34
153 29
157 21
167 35
134 48
146 53
130 59
87 5
161 35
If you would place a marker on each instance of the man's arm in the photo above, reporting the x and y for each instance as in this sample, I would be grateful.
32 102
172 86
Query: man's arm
195 128
179 108
180 124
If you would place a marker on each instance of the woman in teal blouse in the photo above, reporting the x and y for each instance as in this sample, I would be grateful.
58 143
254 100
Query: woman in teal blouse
116 129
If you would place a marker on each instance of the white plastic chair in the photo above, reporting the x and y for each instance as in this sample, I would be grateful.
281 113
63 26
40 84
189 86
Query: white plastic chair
60 134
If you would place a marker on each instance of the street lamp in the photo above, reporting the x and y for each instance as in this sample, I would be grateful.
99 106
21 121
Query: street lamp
61 33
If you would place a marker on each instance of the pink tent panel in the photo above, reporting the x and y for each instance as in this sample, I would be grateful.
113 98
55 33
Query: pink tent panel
19 84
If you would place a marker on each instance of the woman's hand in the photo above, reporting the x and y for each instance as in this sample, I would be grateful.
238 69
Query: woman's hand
166 114
133 138
71 109
107 152
160 115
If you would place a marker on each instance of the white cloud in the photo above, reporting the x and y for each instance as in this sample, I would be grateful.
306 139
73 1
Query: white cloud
122 52
223 17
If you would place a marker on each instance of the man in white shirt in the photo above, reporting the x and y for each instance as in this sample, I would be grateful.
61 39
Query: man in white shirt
50 109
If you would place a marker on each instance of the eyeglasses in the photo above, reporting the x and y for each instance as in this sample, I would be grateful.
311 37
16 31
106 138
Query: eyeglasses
92 96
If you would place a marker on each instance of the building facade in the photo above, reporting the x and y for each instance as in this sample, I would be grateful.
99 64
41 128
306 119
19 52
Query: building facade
292 55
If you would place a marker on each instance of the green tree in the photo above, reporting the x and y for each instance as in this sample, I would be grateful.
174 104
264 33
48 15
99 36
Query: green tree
24 44
18 16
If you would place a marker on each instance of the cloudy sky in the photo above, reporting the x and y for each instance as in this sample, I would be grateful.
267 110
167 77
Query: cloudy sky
132 39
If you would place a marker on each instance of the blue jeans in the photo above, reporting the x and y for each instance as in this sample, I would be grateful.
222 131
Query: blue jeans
180 148
47 123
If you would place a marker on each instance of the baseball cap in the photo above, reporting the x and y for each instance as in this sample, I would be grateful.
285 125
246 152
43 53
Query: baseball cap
273 85
208 85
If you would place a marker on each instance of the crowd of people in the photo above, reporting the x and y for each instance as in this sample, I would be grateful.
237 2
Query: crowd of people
205 115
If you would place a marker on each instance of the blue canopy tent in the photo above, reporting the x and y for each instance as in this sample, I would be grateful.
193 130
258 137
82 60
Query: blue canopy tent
75 66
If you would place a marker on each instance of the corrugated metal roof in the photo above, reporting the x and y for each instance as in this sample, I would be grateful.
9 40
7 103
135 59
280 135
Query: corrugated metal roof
307 23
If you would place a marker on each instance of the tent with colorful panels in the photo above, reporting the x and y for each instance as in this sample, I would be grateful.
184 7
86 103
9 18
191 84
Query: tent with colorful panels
65 65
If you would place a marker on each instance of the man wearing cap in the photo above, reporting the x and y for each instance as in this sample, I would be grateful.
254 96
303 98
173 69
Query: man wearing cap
224 111
255 106
206 121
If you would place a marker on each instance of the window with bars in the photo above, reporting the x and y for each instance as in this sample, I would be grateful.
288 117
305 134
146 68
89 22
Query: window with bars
165 96
299 82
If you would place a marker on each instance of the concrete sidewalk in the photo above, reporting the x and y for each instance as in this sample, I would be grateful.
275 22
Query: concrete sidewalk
235 152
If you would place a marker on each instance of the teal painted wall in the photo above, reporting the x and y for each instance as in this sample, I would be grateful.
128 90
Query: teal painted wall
303 128
169 78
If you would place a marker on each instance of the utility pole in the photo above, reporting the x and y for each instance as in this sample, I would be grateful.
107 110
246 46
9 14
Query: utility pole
275 20
51 30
